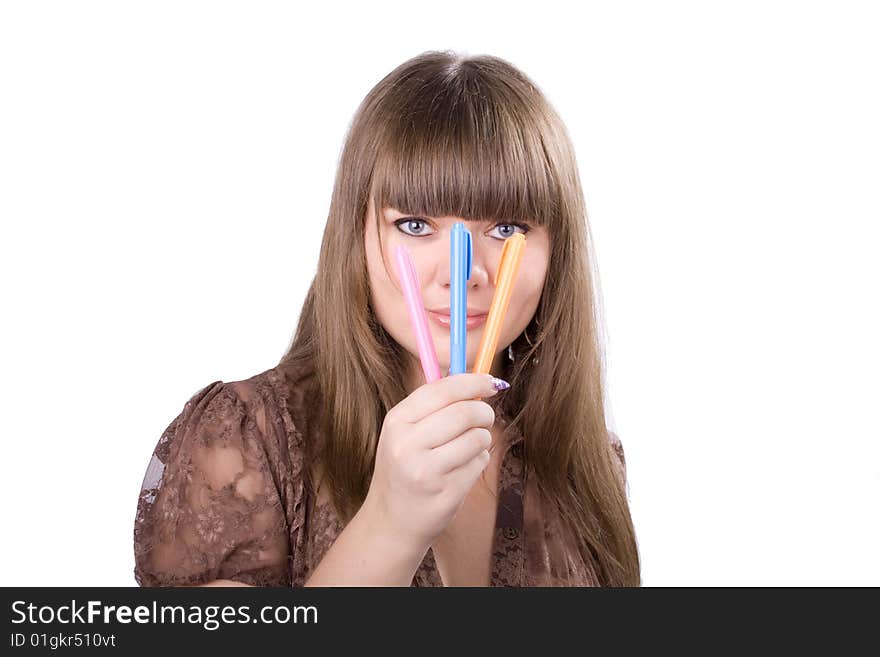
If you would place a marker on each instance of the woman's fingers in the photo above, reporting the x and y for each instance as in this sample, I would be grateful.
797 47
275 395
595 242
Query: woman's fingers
450 422
432 397
461 450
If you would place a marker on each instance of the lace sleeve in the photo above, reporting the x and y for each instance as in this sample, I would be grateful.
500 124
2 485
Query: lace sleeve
208 507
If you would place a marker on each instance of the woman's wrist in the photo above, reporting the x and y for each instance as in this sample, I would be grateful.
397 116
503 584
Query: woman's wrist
369 553
380 533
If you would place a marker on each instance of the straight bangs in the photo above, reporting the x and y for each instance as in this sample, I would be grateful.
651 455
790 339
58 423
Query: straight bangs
466 155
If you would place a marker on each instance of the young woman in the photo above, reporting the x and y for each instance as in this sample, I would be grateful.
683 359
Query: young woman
340 465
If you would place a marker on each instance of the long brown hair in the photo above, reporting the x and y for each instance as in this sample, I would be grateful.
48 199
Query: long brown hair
471 137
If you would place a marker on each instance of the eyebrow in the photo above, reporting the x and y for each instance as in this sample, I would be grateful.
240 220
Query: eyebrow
404 215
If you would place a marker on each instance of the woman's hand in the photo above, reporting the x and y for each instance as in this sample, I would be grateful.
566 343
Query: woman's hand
432 448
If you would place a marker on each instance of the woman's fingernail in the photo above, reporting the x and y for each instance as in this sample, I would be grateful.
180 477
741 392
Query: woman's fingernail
499 384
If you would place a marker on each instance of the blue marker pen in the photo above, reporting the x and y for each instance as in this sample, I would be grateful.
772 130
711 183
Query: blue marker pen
461 257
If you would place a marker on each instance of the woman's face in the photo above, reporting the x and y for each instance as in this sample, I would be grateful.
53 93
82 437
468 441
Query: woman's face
428 240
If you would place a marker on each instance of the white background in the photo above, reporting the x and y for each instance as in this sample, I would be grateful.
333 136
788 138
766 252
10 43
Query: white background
165 175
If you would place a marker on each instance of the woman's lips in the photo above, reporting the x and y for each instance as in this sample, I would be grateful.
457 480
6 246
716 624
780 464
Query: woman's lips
443 320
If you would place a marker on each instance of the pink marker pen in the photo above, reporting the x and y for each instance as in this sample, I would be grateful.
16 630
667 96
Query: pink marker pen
406 271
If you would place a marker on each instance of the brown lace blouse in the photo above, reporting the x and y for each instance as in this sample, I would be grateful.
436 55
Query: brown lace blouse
225 496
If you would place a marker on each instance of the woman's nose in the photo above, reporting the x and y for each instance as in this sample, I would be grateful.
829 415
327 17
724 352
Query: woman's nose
479 269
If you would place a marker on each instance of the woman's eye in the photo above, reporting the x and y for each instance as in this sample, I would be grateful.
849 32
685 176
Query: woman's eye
507 230
416 228
419 228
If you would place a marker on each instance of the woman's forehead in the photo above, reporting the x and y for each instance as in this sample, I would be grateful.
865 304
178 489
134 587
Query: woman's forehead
470 189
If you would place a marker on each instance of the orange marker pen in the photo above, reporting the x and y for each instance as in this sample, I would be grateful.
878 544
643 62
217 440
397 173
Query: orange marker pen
511 256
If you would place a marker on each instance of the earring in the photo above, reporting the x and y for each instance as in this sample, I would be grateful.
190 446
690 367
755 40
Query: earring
510 355
535 360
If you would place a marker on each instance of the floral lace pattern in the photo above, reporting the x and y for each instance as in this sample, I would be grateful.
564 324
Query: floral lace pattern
225 496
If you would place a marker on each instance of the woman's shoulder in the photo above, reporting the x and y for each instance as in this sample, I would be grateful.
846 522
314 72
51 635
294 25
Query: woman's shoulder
280 400
617 446
277 402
